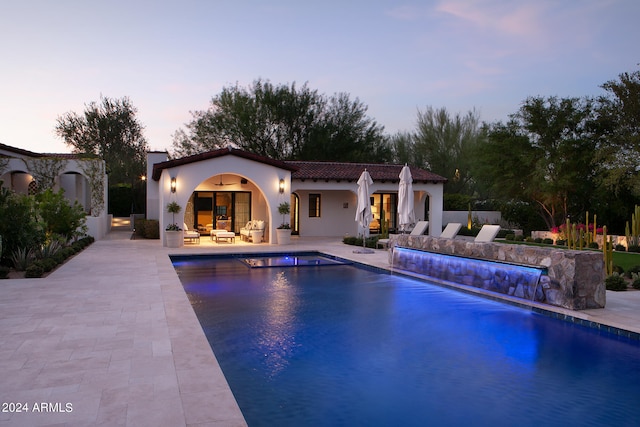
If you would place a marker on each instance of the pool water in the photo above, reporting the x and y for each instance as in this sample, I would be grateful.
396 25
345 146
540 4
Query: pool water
341 345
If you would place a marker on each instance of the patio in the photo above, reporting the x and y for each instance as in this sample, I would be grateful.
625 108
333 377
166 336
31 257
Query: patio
112 333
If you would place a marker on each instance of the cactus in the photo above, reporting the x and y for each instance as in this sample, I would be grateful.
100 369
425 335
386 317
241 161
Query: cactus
632 233
607 252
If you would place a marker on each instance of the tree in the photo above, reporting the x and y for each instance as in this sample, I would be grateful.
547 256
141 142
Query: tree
443 144
282 122
619 127
544 155
111 131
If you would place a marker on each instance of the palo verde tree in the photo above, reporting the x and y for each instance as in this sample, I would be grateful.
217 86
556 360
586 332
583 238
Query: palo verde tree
283 122
110 130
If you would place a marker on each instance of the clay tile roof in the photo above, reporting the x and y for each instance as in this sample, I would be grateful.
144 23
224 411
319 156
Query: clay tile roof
27 153
159 167
338 171
305 170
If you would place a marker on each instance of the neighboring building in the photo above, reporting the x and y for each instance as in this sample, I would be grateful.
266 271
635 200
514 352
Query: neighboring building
82 179
228 187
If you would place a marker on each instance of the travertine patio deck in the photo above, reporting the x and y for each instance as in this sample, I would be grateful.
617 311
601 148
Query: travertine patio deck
112 334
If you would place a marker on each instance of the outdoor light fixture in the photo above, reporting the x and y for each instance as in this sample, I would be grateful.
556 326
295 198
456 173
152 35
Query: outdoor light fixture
173 185
281 186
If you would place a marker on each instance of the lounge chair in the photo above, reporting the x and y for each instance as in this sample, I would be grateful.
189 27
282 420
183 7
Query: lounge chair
190 234
420 228
451 230
487 233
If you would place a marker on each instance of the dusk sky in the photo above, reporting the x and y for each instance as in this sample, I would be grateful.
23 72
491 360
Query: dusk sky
172 57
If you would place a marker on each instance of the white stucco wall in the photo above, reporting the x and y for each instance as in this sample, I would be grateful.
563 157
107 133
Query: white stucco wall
190 176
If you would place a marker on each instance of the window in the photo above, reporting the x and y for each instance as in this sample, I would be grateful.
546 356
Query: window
314 205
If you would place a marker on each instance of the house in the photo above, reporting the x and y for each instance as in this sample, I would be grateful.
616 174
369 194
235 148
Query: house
226 188
83 180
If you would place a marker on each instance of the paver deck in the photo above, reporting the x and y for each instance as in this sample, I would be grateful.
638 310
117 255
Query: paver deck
110 338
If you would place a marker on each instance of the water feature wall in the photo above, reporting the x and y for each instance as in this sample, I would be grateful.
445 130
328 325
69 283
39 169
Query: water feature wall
573 280
514 280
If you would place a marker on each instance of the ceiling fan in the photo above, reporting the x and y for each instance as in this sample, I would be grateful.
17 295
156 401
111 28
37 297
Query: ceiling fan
221 183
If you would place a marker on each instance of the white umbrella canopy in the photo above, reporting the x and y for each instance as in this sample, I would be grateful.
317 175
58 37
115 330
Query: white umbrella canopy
364 216
406 215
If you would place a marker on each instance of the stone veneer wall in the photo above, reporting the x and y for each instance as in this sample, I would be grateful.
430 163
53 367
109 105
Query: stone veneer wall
575 278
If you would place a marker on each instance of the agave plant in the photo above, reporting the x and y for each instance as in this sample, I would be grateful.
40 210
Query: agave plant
47 250
22 258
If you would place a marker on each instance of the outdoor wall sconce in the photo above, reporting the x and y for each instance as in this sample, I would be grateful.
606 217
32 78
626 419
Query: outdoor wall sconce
173 185
281 186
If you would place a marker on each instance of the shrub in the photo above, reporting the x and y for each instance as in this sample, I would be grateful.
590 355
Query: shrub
594 245
618 269
633 248
22 258
4 272
59 216
34 270
636 283
349 240
538 240
510 236
620 248
547 241
561 242
48 264
59 257
615 282
632 270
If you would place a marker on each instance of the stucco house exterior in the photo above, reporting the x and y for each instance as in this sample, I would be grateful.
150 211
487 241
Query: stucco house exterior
226 188
83 180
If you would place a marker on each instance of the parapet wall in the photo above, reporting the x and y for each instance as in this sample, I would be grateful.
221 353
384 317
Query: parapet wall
575 278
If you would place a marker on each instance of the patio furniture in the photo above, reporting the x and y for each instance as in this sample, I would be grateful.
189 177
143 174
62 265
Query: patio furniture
227 236
215 231
190 235
451 230
420 228
487 233
253 225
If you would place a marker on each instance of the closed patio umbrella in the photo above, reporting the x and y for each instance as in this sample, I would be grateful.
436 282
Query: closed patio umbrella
406 215
364 216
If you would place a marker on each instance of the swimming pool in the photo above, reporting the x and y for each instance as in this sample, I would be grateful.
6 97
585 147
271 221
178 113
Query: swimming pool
343 345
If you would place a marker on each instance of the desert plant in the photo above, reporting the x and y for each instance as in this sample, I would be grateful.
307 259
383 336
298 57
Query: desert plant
22 258
48 249
615 282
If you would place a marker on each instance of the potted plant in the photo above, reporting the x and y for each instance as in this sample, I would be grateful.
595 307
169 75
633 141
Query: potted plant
284 230
173 233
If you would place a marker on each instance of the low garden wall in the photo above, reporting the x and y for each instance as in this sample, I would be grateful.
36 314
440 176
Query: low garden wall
574 280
